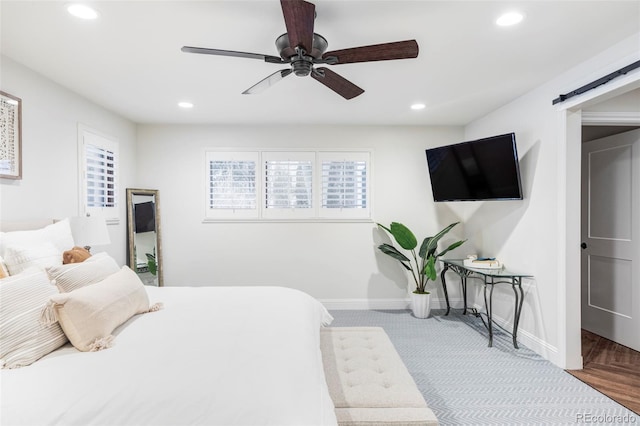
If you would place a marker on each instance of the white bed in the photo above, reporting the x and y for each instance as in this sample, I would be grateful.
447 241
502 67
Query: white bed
211 356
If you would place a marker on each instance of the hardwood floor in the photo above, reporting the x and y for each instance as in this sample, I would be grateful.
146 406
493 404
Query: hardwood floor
612 369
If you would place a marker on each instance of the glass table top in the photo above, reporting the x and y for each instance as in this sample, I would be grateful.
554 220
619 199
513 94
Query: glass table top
503 272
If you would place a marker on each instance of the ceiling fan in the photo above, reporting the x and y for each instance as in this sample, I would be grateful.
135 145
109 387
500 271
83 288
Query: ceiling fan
301 48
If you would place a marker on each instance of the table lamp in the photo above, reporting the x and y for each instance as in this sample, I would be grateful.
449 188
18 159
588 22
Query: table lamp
89 231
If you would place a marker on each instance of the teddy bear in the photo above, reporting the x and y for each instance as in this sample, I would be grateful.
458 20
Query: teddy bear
75 255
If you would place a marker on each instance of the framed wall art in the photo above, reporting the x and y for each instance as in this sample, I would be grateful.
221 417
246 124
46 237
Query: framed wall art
11 136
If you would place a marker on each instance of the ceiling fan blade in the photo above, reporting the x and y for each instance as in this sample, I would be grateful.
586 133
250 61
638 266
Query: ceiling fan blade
377 52
218 52
264 84
337 83
298 17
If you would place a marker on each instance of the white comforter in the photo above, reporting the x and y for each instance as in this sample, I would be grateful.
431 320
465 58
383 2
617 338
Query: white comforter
212 356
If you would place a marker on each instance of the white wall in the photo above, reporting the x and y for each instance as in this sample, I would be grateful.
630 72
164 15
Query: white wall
49 184
628 102
531 236
328 260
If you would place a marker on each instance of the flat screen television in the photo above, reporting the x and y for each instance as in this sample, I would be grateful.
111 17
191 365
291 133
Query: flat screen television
145 215
478 170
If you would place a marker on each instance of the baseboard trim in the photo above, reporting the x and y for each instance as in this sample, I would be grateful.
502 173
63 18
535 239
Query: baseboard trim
536 344
364 304
391 304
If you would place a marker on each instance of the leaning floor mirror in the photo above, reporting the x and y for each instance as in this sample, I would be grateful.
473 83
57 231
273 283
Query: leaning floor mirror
144 242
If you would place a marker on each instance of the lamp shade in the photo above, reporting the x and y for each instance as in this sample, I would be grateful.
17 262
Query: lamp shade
89 231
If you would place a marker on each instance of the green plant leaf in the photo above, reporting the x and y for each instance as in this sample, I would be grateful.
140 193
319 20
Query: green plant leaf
423 248
451 247
403 236
151 263
433 243
406 266
390 250
430 268
385 228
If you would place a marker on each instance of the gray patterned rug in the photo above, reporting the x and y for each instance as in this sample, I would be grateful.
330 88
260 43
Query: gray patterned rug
467 383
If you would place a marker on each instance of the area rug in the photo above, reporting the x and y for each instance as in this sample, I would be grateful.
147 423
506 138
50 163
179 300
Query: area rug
467 383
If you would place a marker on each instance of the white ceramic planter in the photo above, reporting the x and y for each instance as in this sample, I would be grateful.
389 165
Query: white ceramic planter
421 305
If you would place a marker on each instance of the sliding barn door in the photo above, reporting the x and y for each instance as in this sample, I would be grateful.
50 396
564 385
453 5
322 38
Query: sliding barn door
611 238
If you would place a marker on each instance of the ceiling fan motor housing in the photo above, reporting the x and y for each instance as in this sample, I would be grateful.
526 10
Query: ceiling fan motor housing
286 51
302 64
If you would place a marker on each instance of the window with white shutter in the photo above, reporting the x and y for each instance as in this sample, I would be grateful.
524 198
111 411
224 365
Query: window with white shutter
345 184
99 174
232 184
302 185
288 184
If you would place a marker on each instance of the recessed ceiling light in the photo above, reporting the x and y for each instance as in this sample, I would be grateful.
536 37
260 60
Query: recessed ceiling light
509 18
418 106
185 105
82 11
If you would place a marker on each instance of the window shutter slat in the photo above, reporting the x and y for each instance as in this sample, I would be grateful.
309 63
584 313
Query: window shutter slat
232 184
100 176
344 184
288 184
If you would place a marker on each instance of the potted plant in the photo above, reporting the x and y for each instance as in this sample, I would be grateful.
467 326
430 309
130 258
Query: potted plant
423 264
151 263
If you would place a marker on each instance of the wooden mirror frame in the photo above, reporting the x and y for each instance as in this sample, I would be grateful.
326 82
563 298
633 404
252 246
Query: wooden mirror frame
131 251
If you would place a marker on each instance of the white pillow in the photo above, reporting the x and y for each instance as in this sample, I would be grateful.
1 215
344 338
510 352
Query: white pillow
19 259
76 275
23 338
59 234
89 314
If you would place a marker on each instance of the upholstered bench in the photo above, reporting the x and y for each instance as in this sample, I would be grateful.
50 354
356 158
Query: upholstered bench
368 382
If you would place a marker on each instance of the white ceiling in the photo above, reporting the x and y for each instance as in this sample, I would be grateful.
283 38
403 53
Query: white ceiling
129 60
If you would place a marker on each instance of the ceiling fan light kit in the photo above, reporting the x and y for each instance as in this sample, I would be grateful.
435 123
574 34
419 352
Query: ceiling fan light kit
302 49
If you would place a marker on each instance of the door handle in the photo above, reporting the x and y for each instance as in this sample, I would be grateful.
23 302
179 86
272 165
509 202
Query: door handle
583 245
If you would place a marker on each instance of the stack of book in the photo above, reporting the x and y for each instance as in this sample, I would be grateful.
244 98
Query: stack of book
483 263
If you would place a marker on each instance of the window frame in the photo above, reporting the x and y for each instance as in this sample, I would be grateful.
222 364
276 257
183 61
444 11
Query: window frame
232 213
89 136
345 212
291 212
314 214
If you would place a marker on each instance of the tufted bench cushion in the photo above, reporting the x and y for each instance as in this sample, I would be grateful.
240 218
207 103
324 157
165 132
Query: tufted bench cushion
368 381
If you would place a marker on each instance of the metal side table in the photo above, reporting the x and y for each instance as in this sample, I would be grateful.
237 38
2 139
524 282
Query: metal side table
489 277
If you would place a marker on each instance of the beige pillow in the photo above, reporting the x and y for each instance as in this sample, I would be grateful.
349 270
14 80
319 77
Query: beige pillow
23 339
76 275
89 314
4 272
20 258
